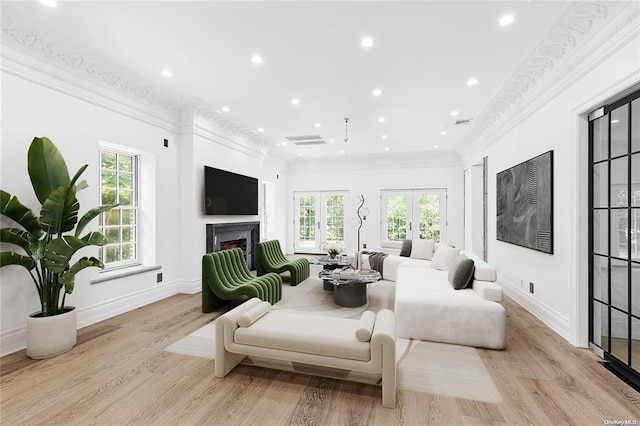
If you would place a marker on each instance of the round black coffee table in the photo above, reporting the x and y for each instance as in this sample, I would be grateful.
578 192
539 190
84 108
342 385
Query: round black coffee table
329 264
352 292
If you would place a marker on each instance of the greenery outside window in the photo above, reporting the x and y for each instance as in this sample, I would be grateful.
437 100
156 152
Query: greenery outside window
119 184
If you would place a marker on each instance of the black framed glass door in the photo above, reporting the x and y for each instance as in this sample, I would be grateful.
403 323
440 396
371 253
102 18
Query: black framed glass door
614 236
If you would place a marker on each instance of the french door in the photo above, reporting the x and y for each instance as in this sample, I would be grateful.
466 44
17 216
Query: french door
414 214
319 218
614 235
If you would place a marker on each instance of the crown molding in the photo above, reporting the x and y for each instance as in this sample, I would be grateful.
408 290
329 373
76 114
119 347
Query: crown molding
203 127
582 39
377 161
32 52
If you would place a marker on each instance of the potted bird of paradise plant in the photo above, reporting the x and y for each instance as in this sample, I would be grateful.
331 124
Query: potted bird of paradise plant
48 242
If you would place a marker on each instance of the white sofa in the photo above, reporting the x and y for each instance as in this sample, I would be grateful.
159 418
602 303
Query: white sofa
427 306
368 344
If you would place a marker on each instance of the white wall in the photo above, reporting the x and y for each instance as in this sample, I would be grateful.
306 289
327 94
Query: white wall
199 150
560 279
176 225
75 126
367 179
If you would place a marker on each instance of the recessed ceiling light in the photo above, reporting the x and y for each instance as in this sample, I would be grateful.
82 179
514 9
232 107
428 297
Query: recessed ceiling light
225 109
49 3
506 20
317 125
283 143
444 132
381 119
332 140
376 92
436 146
260 129
299 154
386 148
256 59
385 137
295 101
167 73
472 81
342 151
615 121
366 41
454 113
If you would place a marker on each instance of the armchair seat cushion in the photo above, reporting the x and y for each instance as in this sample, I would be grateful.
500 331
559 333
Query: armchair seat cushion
334 337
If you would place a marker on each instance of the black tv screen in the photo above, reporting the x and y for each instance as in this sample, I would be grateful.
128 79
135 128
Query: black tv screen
227 193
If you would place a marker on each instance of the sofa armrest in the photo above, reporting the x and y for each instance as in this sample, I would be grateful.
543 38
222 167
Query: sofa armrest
488 290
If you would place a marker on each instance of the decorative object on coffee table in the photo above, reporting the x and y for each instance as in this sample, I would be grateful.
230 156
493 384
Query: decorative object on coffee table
333 248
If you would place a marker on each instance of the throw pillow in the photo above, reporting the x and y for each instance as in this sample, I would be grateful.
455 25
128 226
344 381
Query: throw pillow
422 249
405 251
444 257
461 272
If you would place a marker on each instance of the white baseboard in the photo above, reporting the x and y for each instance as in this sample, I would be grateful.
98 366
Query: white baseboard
111 308
552 319
190 286
16 339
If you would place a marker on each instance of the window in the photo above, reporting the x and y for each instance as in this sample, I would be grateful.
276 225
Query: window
414 214
119 184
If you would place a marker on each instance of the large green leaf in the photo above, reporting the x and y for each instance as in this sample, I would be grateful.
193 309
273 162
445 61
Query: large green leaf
60 250
68 278
37 247
11 258
15 236
47 168
12 208
90 215
59 212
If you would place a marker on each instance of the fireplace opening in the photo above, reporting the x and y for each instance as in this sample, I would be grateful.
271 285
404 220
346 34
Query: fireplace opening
224 236
231 244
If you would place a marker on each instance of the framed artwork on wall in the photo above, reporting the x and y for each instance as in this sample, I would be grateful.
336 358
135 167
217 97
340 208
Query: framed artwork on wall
524 208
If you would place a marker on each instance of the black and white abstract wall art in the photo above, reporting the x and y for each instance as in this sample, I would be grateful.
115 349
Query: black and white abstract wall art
525 204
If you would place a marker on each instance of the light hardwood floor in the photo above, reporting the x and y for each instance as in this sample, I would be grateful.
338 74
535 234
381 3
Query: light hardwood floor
119 374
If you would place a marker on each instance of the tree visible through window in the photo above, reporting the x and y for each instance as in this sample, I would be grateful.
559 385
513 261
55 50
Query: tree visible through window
118 184
396 217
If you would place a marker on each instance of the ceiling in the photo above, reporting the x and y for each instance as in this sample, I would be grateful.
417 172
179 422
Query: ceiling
422 56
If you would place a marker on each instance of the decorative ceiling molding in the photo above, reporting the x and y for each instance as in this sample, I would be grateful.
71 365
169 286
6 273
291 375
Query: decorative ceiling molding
571 48
377 161
32 52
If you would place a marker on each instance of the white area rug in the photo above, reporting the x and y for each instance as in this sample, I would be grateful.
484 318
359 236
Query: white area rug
428 367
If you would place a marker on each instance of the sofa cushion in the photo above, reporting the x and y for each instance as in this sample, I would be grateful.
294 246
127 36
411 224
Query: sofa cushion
422 249
461 272
444 257
367 320
405 251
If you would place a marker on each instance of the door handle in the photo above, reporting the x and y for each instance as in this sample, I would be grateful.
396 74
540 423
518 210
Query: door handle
318 225
410 226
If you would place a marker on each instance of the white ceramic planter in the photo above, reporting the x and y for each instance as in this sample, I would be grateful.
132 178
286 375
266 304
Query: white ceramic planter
51 336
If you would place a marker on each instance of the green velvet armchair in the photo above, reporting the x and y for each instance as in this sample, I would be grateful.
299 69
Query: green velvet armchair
225 276
271 259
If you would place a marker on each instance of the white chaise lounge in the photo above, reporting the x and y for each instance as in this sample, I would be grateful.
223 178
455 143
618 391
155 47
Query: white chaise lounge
367 344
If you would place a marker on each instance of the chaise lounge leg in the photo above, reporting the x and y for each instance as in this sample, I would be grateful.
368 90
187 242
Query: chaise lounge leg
225 361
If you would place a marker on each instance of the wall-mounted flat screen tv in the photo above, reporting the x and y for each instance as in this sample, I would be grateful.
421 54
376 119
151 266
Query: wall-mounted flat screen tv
227 193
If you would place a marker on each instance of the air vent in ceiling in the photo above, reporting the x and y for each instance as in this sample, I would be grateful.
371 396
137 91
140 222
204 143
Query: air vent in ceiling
306 140
467 121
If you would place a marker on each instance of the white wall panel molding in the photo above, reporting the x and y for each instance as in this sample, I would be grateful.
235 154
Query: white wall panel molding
376 161
585 36
32 52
